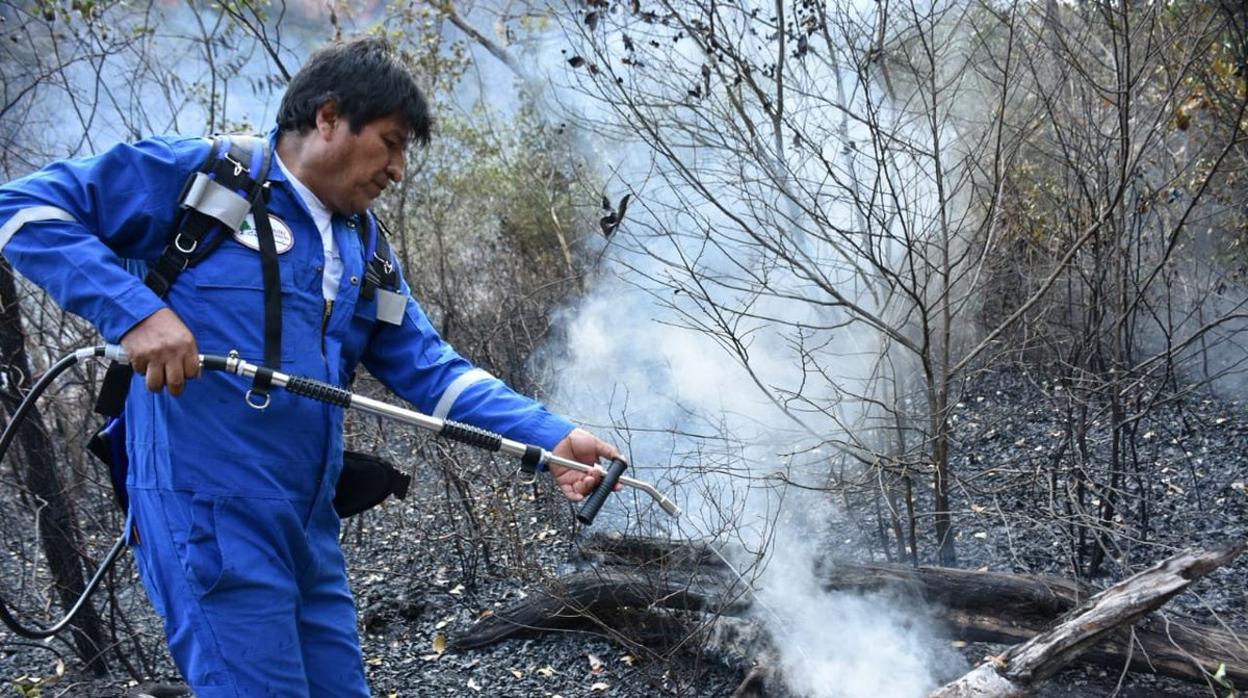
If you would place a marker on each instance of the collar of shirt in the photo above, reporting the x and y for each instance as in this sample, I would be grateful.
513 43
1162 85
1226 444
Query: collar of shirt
323 218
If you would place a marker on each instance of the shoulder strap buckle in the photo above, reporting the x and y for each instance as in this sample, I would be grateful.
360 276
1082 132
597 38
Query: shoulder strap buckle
238 166
184 247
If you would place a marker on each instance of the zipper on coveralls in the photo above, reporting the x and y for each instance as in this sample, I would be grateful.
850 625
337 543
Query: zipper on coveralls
329 308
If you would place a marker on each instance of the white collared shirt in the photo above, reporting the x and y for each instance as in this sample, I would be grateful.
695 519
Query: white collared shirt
323 219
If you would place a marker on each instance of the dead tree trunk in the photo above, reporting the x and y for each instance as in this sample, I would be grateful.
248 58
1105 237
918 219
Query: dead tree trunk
1019 670
57 524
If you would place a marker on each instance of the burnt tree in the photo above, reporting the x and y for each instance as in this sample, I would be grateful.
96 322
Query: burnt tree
37 471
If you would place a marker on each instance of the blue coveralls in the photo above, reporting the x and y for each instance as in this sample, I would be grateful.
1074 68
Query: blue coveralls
238 538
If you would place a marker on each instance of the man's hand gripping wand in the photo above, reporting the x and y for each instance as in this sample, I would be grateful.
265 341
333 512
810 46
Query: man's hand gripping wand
529 455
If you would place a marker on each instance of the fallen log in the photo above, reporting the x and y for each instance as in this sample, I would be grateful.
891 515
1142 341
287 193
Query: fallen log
654 576
1011 608
983 606
1029 601
1021 668
582 599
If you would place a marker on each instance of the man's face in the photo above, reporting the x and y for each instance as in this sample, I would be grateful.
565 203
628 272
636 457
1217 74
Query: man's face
359 166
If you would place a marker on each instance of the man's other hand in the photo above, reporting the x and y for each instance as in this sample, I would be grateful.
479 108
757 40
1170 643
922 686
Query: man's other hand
163 349
586 448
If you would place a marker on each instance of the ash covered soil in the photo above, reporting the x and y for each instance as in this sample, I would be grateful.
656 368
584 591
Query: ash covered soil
427 569
1183 485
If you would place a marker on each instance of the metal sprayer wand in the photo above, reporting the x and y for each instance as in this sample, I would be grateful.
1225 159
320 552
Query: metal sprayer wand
531 456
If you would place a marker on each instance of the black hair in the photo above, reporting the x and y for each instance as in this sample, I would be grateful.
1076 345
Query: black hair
364 79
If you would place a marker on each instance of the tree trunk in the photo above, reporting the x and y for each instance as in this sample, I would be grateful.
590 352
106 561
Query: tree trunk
58 526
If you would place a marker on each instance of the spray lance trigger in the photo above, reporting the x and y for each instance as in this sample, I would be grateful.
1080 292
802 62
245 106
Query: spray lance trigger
614 474
598 497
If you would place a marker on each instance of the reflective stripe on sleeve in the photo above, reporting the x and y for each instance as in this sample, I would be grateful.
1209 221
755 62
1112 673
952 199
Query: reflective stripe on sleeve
457 387
33 214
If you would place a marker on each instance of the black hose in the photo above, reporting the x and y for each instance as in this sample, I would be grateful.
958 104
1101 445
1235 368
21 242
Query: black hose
32 645
6 439
28 402
33 633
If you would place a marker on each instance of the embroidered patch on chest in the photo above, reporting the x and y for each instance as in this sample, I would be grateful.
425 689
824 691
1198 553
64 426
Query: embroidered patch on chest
283 238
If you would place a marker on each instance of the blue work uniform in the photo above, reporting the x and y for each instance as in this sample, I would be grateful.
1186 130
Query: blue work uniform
238 538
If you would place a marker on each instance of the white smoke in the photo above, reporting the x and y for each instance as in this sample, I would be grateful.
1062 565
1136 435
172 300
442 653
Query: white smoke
846 645
721 392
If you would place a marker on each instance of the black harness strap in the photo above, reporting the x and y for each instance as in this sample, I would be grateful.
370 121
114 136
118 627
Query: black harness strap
229 164
379 271
272 298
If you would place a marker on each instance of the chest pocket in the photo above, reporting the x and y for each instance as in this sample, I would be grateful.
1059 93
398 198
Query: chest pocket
226 296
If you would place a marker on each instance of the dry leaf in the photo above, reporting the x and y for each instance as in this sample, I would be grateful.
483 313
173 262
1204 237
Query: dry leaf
628 659
485 614
595 665
997 660
547 671
600 686
439 643
459 589
375 661
517 673
472 683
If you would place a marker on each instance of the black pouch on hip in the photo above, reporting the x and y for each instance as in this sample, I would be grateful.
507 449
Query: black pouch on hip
365 482
108 444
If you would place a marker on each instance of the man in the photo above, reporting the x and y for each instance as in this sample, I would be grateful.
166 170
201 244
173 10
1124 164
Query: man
236 533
